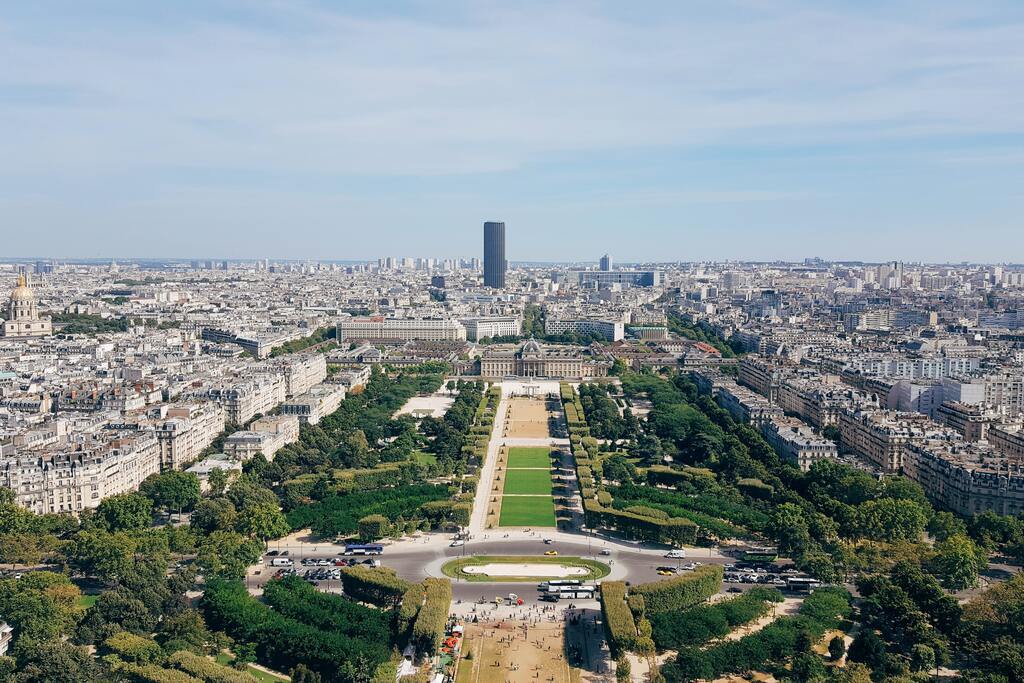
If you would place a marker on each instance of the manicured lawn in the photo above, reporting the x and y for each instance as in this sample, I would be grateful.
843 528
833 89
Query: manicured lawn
527 511
528 481
86 601
529 457
454 568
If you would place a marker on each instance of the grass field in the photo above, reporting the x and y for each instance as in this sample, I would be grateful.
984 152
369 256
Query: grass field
454 568
527 511
529 482
529 457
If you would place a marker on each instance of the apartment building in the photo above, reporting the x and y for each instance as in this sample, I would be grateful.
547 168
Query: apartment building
301 371
967 478
763 375
81 472
881 436
315 404
1008 439
797 443
744 405
187 430
970 421
245 398
266 435
379 327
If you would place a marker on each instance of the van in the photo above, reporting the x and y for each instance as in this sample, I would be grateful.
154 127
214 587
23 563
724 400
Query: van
677 553
281 562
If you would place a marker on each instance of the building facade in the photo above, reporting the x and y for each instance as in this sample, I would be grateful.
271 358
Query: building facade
23 314
495 265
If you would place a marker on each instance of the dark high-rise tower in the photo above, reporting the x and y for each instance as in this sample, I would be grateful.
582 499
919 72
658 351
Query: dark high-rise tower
494 255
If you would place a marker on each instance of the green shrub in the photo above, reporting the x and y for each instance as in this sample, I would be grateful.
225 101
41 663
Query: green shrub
618 619
682 591
380 586
428 628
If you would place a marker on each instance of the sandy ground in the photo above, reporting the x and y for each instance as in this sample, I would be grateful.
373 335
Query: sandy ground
502 569
435 405
527 418
541 645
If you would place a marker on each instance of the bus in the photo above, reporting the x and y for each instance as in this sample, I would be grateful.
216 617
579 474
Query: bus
557 582
802 584
762 555
572 592
371 549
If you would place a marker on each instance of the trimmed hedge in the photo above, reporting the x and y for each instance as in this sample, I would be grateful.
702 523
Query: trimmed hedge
380 586
619 624
681 592
151 673
412 600
207 670
429 626
823 610
674 630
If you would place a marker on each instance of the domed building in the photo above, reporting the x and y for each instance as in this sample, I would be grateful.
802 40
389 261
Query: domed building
23 314
533 359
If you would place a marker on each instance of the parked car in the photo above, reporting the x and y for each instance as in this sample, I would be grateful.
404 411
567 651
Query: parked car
457 543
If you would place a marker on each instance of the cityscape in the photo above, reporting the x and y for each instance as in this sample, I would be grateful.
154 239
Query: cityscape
538 343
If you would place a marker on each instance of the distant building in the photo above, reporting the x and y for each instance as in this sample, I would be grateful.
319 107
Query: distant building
495 264
379 327
602 278
612 330
533 359
606 263
495 326
23 314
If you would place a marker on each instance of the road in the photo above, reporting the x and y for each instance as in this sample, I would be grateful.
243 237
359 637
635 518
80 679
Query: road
420 557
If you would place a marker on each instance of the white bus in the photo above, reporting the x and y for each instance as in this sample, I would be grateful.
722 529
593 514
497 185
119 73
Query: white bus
803 584
543 586
572 592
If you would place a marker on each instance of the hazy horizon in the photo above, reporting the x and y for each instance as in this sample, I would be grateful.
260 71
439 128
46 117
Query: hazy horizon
743 130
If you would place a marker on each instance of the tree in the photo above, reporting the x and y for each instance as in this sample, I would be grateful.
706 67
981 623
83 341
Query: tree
26 548
126 512
100 554
40 605
263 522
869 649
618 468
958 562
303 674
217 480
922 658
133 648
54 660
889 519
945 524
227 555
836 648
214 514
172 491
373 527
808 666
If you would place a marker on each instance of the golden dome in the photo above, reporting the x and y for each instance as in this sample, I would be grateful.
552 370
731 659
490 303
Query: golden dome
22 292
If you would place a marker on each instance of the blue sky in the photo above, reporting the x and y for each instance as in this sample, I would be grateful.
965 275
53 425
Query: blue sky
654 131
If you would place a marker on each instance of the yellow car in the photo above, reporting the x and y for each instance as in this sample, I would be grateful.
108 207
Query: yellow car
551 552
662 572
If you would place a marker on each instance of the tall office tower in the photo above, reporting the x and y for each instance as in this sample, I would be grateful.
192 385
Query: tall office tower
494 255
606 262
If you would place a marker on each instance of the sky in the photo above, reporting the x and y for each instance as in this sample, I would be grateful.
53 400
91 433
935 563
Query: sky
748 129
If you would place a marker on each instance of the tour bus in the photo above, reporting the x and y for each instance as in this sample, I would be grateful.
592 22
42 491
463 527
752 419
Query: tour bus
802 584
371 549
572 592
764 555
557 582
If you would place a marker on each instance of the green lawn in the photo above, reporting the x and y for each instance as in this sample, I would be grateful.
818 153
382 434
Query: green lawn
527 511
456 568
424 458
533 482
86 601
529 457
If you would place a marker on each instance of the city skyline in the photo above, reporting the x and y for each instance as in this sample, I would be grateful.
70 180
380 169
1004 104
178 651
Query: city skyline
310 130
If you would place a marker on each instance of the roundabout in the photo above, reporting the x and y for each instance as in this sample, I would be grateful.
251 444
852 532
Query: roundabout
502 569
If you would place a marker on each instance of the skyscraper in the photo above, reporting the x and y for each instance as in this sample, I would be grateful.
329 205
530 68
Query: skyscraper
494 255
606 262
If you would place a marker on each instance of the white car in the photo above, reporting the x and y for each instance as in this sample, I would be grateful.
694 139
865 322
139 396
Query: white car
675 554
456 544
